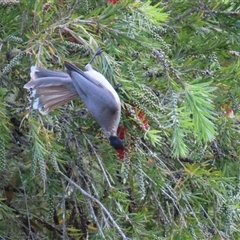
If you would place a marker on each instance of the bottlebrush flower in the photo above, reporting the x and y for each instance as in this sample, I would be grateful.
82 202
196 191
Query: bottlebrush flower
121 131
67 35
143 118
112 1
230 113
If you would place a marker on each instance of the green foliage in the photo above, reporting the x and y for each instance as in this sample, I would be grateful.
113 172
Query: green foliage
198 101
178 64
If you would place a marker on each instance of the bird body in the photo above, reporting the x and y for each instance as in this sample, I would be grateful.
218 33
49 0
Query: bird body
50 89
98 95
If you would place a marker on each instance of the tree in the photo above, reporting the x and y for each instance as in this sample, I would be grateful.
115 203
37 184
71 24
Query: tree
177 63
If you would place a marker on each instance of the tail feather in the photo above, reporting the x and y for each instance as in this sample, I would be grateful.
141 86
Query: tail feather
49 89
48 81
46 104
38 72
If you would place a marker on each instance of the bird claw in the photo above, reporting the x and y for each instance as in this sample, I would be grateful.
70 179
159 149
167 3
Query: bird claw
117 87
99 51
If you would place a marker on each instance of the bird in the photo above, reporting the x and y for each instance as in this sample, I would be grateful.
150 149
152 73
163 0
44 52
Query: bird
49 89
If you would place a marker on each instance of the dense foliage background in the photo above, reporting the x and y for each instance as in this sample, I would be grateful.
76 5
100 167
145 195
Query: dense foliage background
179 178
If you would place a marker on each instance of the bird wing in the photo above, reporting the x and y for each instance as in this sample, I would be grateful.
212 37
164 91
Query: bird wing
99 97
92 91
38 72
72 68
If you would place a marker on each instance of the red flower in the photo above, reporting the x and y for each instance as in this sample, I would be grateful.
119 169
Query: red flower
67 35
121 131
143 118
112 1
121 153
230 113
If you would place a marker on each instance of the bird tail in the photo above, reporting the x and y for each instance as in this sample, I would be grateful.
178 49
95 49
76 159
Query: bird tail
49 89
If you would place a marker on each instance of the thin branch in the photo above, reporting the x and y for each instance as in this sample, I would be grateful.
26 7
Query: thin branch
209 218
26 203
162 215
95 217
195 9
98 202
63 206
49 226
87 182
223 12
179 17
99 162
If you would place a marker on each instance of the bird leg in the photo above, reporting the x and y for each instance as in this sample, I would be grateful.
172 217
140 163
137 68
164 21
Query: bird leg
98 52
117 87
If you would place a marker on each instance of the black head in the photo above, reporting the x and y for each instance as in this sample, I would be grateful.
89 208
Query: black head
116 142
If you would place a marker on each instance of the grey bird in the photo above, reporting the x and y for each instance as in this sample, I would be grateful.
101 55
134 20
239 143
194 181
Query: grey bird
50 89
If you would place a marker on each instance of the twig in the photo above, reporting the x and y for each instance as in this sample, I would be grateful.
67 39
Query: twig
188 12
98 202
26 203
195 9
209 218
63 206
223 12
162 214
87 182
95 218
99 162
49 226
85 178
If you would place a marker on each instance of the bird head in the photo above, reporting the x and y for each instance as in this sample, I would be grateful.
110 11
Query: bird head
116 142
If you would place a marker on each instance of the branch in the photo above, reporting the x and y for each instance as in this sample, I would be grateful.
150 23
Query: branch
223 12
49 226
188 12
98 202
26 202
99 162
195 9
95 218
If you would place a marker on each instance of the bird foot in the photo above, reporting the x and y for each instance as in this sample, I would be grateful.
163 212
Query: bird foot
117 87
98 52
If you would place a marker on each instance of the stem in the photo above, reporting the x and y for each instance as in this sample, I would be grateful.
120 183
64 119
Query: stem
98 202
